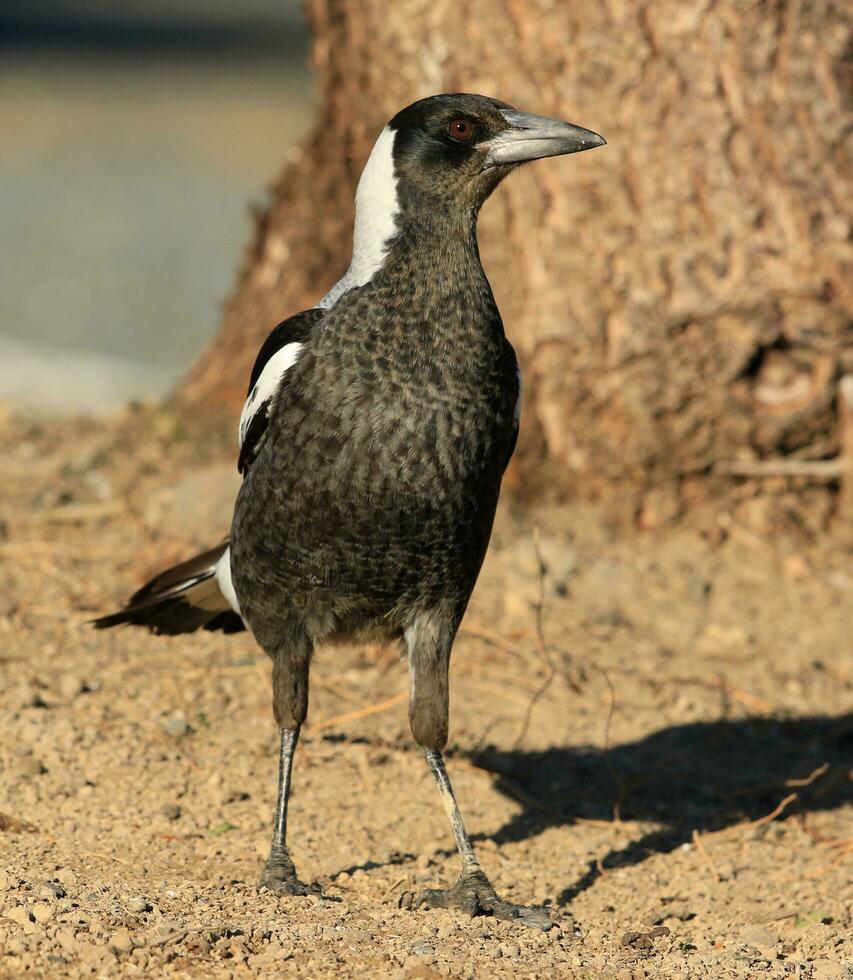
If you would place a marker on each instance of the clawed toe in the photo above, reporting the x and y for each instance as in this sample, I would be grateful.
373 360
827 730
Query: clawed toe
284 886
279 876
473 894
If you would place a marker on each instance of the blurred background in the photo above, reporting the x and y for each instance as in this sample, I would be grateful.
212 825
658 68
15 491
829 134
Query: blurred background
136 138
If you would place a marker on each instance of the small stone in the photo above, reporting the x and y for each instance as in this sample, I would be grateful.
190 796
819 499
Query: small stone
29 767
70 686
197 946
42 912
165 927
176 725
830 970
280 951
660 506
51 890
94 955
20 915
138 905
121 941
760 937
171 811
796 567
66 877
66 939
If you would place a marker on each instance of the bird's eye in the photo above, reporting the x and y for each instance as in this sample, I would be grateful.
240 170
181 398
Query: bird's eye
461 129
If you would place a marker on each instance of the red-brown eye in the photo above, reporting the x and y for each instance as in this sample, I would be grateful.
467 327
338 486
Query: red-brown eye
461 129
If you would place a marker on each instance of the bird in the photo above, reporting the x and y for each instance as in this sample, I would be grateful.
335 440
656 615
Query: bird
374 436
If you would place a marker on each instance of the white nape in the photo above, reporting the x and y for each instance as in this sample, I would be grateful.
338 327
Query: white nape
376 209
266 385
223 580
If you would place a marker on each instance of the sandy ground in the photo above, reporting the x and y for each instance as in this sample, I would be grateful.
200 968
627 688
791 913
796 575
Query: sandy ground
665 762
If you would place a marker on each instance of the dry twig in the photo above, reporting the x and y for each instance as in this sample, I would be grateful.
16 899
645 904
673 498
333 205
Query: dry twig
812 776
490 636
371 709
706 857
761 821
818 469
540 643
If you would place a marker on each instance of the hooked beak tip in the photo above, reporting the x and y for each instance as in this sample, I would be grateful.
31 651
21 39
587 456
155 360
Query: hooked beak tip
531 137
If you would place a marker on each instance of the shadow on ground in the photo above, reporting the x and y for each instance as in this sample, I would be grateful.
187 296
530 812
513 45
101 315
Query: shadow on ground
702 776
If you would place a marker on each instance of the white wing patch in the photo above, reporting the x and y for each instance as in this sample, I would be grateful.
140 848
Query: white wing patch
266 386
376 209
223 580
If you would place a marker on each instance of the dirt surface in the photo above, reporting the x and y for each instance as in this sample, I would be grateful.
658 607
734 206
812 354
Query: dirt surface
664 760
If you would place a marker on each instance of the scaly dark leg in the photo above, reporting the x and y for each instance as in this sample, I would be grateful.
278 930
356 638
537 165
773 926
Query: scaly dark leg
473 892
279 875
429 642
290 706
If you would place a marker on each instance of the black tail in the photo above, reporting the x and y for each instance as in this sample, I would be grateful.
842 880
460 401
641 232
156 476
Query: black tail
183 599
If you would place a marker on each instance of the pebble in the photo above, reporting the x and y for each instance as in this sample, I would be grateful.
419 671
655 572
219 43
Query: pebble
197 946
42 912
94 955
138 905
176 725
67 877
282 951
121 941
20 915
28 767
51 890
65 938
70 685
760 937
830 970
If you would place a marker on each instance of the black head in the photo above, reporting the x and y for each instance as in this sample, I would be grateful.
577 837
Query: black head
455 149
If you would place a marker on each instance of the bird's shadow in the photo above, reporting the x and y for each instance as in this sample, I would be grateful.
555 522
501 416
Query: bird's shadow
697 777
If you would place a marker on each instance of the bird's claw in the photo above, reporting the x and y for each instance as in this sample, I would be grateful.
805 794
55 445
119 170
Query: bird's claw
473 894
279 876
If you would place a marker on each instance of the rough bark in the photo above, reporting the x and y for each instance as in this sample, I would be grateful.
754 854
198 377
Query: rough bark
679 298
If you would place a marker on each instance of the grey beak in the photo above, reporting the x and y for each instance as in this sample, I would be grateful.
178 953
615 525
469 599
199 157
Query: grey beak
532 137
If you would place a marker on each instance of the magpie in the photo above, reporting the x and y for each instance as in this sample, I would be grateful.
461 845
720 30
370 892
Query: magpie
372 444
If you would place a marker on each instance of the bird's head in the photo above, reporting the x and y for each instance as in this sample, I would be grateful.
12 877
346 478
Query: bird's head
455 149
436 162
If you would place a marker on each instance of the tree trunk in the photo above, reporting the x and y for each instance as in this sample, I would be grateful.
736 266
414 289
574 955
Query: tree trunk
679 298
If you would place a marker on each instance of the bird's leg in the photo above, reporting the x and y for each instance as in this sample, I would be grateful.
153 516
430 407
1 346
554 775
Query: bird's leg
290 705
429 657
279 875
473 892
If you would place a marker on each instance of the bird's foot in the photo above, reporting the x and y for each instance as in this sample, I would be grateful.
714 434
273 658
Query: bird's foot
473 894
279 875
